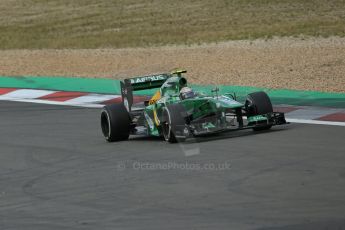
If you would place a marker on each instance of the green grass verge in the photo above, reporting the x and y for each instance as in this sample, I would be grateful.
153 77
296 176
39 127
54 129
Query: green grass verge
139 23
109 86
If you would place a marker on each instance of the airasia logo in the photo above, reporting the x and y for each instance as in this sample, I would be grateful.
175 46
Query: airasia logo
147 79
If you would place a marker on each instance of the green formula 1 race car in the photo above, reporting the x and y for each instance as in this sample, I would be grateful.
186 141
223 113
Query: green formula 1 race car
176 112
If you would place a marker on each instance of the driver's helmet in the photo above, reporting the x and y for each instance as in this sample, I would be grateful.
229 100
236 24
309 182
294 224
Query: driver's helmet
186 93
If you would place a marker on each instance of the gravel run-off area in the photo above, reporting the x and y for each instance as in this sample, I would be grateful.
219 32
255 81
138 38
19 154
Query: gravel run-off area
291 63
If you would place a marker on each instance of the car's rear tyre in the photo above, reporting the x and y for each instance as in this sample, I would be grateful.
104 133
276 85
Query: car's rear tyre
115 122
258 103
173 123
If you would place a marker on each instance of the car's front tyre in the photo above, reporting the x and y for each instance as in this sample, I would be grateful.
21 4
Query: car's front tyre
258 103
173 123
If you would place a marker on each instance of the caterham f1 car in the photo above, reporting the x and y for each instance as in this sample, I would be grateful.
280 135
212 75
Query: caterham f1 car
175 112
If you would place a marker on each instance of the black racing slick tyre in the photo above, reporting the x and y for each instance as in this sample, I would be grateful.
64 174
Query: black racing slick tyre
258 103
173 123
115 122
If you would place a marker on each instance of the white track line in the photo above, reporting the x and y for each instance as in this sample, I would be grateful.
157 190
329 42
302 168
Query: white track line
86 105
92 98
90 101
28 93
315 122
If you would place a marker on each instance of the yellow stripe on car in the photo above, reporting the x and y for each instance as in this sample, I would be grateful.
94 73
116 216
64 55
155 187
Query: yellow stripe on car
155 117
155 98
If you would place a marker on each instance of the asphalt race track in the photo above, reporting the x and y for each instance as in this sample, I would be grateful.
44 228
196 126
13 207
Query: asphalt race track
57 172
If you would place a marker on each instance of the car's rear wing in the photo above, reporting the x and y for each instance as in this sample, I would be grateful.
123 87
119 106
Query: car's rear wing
142 83
147 82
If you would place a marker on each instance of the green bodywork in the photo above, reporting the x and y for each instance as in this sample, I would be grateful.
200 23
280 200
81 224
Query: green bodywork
199 106
256 118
